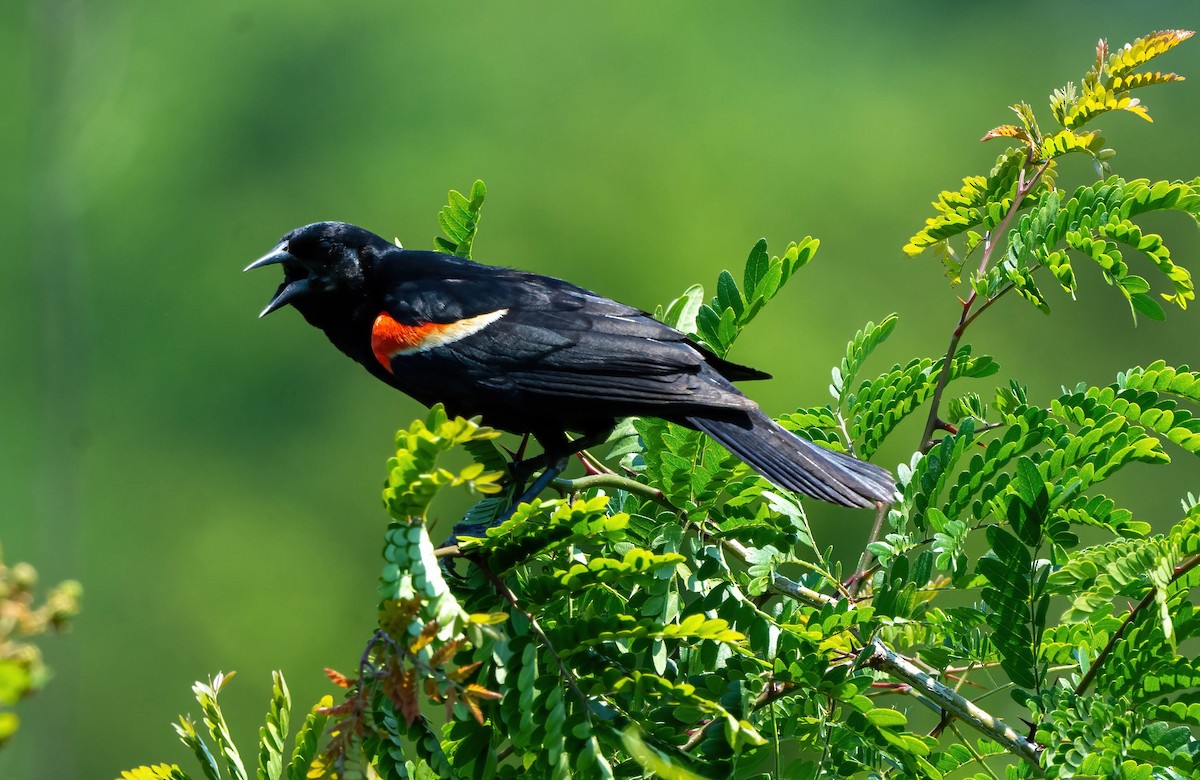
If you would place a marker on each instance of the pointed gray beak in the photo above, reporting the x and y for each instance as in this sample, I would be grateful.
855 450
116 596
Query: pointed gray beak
276 255
287 294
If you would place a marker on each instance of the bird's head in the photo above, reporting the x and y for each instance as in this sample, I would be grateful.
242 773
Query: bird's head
321 262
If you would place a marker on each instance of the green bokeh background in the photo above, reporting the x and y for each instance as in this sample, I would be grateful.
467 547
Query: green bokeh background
213 480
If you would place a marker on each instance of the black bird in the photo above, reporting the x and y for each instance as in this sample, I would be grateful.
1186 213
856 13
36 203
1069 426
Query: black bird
537 355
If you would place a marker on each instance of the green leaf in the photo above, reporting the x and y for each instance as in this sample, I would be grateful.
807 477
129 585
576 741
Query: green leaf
459 220
879 405
981 202
414 480
15 680
192 740
728 295
275 730
857 351
657 763
758 265
886 718
206 695
308 740
1146 305
157 772
682 312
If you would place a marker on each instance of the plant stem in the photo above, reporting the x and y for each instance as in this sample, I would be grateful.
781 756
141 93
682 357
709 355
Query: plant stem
615 481
1180 570
888 661
894 665
511 598
1010 685
974 753
935 403
988 304
845 433
864 560
593 464
966 317
782 585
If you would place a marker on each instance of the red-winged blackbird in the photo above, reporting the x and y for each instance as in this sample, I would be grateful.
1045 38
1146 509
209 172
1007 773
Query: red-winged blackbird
537 355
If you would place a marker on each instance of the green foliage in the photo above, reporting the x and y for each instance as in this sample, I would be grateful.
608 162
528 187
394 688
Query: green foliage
1016 593
273 732
1107 85
157 772
413 477
459 220
857 351
981 203
219 750
719 321
22 671
671 613
881 404
1095 222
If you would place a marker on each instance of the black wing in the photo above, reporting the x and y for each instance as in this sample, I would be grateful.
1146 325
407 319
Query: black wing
556 339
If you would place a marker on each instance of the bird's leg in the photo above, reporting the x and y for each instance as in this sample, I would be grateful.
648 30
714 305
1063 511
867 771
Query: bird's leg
554 448
519 471
520 468
557 450
548 475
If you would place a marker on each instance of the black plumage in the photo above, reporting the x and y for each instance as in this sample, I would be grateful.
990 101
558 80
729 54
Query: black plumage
533 354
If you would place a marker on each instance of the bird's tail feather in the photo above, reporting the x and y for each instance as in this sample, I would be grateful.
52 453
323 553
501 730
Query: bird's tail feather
795 464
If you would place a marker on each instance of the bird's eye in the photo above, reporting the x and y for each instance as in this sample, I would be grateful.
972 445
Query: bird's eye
325 245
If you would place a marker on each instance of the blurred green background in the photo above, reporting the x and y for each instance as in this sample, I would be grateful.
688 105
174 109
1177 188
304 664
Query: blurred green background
213 480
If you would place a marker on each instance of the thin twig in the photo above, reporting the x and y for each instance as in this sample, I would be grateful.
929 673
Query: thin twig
1180 570
864 560
827 738
380 637
966 318
987 304
615 481
782 585
894 665
593 464
1010 685
846 433
512 599
775 690
974 753
744 553
926 686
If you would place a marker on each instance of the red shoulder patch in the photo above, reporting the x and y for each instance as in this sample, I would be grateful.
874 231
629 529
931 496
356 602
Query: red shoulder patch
389 338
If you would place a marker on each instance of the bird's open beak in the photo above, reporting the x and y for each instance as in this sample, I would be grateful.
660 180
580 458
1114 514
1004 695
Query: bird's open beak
276 255
286 295
280 255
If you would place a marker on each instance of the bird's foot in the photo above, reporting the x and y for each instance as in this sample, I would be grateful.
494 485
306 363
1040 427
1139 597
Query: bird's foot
548 475
521 471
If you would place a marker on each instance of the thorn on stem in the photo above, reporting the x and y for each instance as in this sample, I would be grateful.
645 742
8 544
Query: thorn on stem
588 468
